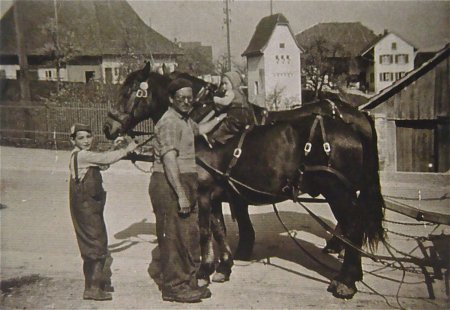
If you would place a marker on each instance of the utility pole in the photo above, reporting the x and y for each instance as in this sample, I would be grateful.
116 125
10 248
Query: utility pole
227 21
57 48
271 8
22 54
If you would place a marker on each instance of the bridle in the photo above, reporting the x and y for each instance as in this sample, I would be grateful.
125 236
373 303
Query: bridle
131 105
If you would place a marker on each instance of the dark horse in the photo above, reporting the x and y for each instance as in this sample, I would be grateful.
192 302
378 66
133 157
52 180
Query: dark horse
272 160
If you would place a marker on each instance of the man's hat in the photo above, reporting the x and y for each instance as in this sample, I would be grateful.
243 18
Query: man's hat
79 127
177 84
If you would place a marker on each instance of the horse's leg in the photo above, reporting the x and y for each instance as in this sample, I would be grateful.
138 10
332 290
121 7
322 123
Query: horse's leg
223 270
206 245
343 205
246 231
334 245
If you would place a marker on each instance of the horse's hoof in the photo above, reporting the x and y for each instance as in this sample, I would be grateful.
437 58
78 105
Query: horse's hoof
241 255
202 282
333 285
220 277
344 291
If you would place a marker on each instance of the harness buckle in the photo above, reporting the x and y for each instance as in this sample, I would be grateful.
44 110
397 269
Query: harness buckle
141 93
308 147
237 152
327 148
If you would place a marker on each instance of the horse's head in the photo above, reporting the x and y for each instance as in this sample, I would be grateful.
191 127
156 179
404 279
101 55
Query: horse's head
143 95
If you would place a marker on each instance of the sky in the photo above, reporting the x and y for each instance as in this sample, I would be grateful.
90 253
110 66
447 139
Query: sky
425 24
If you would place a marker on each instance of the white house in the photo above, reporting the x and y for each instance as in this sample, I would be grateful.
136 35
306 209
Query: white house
273 65
390 57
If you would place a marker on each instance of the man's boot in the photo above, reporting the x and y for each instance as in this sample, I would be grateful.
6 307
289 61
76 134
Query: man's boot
94 291
106 270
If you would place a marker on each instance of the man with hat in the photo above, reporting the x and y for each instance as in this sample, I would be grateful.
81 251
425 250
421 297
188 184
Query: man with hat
173 193
87 201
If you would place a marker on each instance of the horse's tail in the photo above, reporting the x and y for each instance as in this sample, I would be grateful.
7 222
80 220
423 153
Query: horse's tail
370 198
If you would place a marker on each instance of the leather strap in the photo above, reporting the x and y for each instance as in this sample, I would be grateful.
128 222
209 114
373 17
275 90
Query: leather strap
75 166
238 151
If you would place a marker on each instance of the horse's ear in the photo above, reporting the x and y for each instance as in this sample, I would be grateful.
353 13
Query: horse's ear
147 67
165 69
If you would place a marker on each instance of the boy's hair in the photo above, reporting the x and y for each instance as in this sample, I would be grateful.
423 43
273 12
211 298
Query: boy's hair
78 127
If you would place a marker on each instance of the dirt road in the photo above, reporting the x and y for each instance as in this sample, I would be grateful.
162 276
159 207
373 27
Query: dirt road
41 267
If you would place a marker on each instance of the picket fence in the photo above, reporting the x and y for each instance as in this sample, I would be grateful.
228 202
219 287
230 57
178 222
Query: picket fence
47 126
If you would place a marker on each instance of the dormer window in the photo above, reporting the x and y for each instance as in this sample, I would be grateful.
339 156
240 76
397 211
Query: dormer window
394 46
281 45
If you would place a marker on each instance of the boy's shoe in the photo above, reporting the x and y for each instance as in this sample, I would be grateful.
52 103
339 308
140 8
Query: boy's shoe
96 294
210 143
185 295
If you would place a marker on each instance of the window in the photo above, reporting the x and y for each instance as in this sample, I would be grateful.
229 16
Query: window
256 90
116 71
288 59
282 58
281 45
399 75
385 59
394 46
277 58
401 59
48 74
386 76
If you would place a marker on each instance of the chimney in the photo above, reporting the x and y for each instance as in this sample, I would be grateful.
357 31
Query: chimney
385 32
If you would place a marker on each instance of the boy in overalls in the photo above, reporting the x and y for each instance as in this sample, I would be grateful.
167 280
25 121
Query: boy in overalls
87 201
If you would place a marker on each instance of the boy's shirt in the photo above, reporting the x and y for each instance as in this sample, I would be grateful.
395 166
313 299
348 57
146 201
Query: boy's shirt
88 159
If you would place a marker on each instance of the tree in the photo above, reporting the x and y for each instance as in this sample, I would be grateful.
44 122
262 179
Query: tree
319 64
60 48
195 62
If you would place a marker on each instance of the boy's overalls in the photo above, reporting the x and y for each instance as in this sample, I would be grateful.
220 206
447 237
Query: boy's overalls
87 201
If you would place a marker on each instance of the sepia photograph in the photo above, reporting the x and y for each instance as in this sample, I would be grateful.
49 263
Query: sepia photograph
224 154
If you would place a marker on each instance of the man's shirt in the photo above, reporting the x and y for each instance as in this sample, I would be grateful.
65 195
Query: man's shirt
173 132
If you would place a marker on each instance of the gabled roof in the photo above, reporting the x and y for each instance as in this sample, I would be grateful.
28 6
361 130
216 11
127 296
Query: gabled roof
98 27
263 32
409 78
374 42
352 36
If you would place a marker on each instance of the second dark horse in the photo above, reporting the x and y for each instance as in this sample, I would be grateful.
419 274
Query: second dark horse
272 159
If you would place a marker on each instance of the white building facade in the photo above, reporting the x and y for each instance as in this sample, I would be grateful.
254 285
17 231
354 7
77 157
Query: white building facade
273 64
392 58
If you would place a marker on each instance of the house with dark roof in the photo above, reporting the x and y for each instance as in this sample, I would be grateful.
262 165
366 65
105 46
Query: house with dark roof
387 59
97 34
412 118
273 64
344 42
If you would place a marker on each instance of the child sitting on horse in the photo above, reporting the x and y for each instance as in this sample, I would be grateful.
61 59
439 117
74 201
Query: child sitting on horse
234 103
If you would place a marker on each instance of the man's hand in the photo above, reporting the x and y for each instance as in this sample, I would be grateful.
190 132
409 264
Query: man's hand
221 117
184 206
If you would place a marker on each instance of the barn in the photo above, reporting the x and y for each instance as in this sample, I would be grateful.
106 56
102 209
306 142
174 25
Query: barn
412 119
93 37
